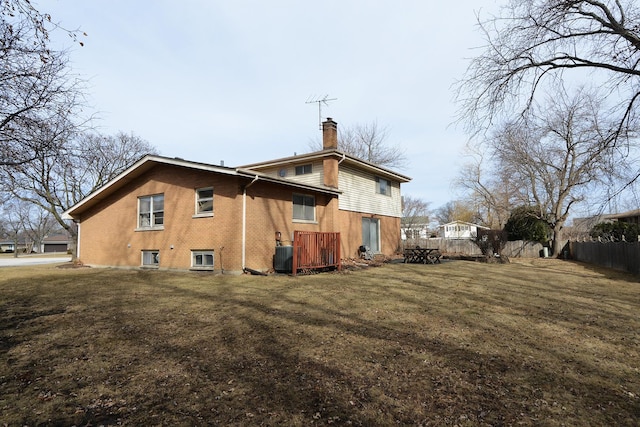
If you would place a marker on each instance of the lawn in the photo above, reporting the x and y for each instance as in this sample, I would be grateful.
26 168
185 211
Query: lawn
537 342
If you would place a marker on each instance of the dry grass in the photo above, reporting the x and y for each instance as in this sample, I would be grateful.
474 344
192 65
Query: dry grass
541 342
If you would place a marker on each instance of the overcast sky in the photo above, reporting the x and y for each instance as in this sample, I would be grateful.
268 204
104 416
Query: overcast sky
228 81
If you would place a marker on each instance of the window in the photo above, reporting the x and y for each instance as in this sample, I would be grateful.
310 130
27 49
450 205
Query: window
202 259
303 169
204 201
383 186
304 207
151 258
151 211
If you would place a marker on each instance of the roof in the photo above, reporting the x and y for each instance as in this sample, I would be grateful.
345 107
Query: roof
465 223
150 161
628 214
56 238
342 156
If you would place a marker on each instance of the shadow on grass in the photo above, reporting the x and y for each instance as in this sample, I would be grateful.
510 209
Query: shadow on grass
398 345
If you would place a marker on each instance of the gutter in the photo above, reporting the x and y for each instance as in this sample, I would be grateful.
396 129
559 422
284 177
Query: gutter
244 221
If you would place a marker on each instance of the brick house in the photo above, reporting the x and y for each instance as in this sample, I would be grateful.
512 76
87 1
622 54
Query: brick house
171 213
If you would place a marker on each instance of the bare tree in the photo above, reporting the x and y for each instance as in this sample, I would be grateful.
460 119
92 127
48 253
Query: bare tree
37 223
55 182
559 155
489 186
36 88
368 142
12 227
534 43
456 210
415 215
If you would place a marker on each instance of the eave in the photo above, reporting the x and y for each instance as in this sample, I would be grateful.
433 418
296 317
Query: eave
148 162
341 156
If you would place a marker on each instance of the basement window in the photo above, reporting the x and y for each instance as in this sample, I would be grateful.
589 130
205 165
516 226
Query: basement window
202 260
151 258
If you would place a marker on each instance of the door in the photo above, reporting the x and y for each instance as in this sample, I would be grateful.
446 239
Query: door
371 234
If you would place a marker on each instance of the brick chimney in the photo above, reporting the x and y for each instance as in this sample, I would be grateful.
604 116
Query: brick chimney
329 134
330 142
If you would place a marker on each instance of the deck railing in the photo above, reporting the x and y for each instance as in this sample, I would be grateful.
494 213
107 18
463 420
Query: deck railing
315 250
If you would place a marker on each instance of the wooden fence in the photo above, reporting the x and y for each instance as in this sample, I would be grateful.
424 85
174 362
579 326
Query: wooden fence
314 250
515 249
623 256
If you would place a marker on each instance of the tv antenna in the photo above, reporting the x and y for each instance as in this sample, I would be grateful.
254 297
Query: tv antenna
320 101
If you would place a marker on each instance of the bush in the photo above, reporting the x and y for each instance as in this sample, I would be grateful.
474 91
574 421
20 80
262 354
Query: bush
491 242
616 231
525 224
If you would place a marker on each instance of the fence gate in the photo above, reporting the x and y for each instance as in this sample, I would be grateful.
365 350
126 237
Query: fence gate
314 250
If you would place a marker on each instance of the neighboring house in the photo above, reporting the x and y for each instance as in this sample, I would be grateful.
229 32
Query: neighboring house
171 213
415 228
10 246
586 224
581 227
7 246
461 230
58 242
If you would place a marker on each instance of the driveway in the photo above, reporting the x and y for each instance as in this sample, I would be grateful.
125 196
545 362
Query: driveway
33 260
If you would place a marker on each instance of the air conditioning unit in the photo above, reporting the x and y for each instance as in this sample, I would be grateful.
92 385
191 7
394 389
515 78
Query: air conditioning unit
283 260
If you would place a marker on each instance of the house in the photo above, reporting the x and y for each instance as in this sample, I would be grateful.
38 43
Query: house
9 246
176 214
461 230
415 228
585 225
56 242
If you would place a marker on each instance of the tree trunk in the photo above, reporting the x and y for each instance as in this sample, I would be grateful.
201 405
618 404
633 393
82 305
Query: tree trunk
557 241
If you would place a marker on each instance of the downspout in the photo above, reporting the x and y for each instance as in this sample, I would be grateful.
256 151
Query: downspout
244 221
77 242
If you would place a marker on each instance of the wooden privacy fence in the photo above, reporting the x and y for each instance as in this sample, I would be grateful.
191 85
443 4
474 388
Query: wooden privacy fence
314 250
623 256
515 249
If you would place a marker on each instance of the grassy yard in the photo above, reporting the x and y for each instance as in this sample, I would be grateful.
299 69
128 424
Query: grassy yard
537 342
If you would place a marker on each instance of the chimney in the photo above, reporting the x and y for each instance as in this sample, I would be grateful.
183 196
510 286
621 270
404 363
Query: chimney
330 163
329 134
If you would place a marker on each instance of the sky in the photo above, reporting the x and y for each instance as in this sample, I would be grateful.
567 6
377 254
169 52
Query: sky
213 81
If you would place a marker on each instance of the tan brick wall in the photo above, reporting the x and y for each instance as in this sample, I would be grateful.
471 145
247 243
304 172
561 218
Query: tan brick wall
351 233
109 237
330 168
270 209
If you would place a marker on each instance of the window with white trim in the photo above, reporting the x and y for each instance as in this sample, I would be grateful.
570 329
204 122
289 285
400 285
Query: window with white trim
151 211
304 207
204 201
151 258
304 169
202 259
383 186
